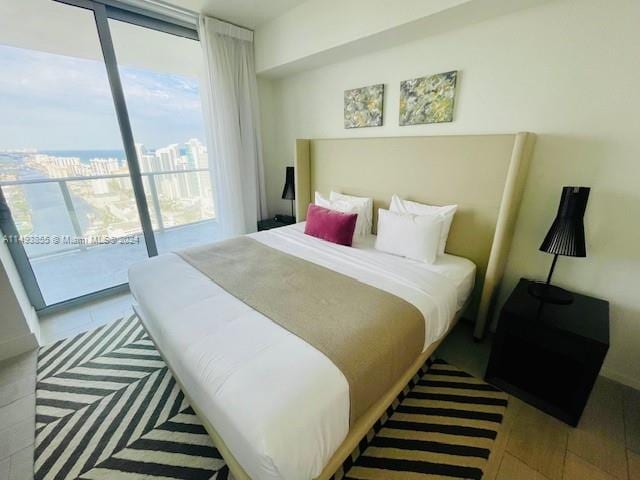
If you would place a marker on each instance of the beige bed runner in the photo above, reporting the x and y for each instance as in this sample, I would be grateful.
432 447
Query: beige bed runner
372 336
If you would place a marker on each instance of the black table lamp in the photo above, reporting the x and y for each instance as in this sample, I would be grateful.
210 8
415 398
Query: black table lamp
289 191
565 237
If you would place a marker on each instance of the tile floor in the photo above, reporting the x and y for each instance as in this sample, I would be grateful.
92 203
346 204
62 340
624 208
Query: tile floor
534 446
530 445
79 272
87 317
18 382
17 416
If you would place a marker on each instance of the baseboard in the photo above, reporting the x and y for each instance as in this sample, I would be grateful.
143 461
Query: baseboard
621 378
17 345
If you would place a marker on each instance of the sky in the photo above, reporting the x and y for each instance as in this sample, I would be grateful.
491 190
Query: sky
55 102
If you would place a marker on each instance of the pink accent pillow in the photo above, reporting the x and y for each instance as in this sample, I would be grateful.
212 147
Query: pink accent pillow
330 225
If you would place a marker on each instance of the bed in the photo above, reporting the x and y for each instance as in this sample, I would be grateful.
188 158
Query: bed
275 406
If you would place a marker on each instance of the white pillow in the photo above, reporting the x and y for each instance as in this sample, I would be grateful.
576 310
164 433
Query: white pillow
365 204
344 207
360 232
408 235
446 212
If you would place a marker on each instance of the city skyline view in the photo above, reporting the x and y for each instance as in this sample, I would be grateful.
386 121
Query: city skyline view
55 197
64 175
174 196
58 121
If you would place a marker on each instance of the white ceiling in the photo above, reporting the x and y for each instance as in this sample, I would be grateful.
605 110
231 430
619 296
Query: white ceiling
247 13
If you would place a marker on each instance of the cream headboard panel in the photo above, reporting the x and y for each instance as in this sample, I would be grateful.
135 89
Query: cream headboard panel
483 174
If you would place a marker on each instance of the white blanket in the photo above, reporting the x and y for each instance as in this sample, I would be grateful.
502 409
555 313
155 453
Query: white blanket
281 406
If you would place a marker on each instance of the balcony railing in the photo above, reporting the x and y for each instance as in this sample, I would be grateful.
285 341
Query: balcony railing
153 200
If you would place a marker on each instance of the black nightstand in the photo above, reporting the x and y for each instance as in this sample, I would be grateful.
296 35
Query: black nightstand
550 355
275 222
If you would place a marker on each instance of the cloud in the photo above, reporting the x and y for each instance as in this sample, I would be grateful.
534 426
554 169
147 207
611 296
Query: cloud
54 101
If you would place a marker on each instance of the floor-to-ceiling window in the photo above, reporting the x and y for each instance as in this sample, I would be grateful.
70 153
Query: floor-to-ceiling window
103 157
161 83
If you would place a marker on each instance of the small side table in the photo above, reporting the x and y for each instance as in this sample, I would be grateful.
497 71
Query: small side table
275 222
550 355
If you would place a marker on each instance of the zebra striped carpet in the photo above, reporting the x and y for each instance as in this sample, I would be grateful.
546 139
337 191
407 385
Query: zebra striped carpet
108 408
442 425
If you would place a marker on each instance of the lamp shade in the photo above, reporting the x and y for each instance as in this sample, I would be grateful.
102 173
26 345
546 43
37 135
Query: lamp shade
289 191
566 235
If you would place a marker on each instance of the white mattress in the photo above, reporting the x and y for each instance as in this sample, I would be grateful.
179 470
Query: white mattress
280 405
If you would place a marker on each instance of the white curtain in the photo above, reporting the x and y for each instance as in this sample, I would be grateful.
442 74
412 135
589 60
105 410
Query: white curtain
231 98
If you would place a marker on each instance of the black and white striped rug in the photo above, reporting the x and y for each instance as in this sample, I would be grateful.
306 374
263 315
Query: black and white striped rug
442 425
108 408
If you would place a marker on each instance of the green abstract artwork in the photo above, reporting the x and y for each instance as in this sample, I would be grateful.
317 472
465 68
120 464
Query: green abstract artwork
363 106
428 99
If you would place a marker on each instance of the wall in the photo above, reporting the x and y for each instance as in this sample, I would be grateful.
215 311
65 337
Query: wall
318 25
319 32
19 328
567 70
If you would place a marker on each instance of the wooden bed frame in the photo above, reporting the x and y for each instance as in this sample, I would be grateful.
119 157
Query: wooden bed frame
483 174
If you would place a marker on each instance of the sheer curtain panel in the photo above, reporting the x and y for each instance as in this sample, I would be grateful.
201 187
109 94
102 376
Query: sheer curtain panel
234 127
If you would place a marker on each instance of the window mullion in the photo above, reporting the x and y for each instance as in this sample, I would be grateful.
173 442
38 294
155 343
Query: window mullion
19 255
104 34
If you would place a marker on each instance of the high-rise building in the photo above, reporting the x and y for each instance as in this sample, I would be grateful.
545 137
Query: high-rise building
147 160
168 157
104 166
197 152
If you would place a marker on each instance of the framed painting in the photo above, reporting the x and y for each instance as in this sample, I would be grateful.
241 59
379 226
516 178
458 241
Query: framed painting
428 99
363 106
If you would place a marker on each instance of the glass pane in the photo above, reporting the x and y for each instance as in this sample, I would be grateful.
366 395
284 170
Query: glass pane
161 74
34 208
58 126
154 213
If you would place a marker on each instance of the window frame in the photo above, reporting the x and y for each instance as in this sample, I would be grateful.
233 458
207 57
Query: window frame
104 10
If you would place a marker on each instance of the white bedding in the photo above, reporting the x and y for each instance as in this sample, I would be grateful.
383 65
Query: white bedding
280 405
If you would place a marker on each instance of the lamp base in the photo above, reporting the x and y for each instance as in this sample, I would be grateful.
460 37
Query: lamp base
550 293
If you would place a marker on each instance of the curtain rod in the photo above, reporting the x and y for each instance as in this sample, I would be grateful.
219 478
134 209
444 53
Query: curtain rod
166 9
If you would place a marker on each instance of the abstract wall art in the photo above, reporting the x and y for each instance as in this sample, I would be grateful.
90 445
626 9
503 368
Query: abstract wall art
428 99
363 106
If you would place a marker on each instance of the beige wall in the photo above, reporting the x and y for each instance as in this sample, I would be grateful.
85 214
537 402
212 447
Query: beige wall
567 70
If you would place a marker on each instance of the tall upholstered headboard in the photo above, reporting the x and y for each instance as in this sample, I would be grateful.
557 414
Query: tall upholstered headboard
483 174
